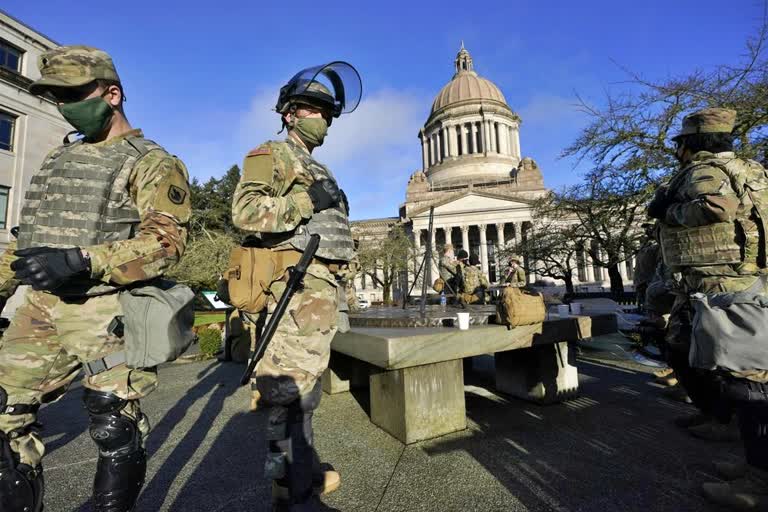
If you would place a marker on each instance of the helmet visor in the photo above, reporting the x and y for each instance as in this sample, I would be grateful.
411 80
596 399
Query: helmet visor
340 79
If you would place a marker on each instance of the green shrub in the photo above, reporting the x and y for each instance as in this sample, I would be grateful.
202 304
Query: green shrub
209 340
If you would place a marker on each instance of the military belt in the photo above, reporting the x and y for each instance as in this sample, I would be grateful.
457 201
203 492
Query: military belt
98 366
17 409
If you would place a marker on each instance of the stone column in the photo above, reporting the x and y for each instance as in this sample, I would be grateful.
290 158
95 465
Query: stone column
516 142
452 140
486 138
503 139
448 235
473 135
500 240
434 270
424 153
623 268
518 232
483 249
589 268
494 140
465 238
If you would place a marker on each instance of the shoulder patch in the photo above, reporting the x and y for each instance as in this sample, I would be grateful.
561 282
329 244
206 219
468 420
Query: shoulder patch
261 150
176 194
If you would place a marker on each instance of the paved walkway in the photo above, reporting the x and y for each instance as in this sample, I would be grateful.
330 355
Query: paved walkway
612 449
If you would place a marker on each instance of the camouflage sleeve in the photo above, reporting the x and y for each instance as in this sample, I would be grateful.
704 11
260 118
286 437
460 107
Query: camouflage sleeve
8 284
706 197
159 186
265 200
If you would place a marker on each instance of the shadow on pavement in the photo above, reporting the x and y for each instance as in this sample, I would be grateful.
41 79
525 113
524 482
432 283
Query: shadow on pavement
612 448
217 381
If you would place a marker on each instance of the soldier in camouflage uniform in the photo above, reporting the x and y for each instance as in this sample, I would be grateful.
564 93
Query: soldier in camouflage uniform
105 211
711 241
515 276
285 195
474 282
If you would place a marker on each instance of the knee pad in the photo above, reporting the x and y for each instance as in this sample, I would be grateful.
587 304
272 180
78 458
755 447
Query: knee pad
21 486
122 464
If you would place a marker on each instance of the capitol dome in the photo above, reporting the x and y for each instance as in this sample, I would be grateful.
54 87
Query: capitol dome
466 86
471 135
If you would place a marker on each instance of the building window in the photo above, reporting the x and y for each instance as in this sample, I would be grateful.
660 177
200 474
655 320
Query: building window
459 143
3 205
10 57
7 123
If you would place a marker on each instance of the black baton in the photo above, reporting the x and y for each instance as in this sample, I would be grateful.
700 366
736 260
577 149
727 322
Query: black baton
295 280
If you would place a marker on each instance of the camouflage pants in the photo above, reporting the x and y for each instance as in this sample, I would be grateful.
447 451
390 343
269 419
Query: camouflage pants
43 350
296 357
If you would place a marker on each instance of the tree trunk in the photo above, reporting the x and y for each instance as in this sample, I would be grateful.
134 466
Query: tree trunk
386 292
568 278
617 283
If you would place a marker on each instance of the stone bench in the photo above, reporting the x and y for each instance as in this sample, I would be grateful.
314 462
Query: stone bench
416 375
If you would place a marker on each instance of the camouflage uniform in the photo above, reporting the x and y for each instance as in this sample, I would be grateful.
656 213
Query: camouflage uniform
516 277
473 279
271 201
53 334
709 242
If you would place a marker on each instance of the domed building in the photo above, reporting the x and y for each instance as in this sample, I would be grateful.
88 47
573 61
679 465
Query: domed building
473 172
474 176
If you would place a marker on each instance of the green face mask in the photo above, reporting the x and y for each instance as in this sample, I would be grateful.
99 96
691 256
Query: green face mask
89 117
311 130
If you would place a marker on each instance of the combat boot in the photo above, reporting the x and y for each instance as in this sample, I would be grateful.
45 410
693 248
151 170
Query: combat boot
693 420
323 483
716 431
677 393
730 470
749 493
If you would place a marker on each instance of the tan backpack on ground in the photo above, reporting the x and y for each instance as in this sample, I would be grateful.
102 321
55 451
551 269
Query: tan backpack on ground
520 307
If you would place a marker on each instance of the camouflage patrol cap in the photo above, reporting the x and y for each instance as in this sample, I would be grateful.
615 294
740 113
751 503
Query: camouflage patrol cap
515 258
708 120
73 66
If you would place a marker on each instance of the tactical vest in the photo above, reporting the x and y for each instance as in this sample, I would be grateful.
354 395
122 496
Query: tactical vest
332 224
80 197
742 241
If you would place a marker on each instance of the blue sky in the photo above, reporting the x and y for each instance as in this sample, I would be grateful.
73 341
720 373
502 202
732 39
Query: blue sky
200 77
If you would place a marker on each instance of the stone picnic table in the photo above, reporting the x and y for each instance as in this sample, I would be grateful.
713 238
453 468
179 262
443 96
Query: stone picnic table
413 366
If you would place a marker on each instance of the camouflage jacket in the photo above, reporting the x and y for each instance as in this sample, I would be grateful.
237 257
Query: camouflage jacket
161 236
516 277
473 278
447 268
647 259
701 194
272 197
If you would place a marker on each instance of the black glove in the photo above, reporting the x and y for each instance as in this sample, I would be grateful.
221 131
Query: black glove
47 268
657 208
324 194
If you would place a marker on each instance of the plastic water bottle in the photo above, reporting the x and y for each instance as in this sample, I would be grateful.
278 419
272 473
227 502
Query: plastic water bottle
443 301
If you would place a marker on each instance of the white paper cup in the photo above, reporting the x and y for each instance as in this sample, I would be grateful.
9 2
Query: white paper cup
575 308
562 310
463 320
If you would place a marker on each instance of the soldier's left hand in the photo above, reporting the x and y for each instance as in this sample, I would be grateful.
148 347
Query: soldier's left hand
47 268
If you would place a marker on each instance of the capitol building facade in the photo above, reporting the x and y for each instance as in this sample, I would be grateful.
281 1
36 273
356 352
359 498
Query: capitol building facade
481 187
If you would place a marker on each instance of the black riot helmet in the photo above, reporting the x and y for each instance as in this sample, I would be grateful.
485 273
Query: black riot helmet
335 87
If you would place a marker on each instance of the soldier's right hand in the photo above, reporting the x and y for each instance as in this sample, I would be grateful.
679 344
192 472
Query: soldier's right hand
324 195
